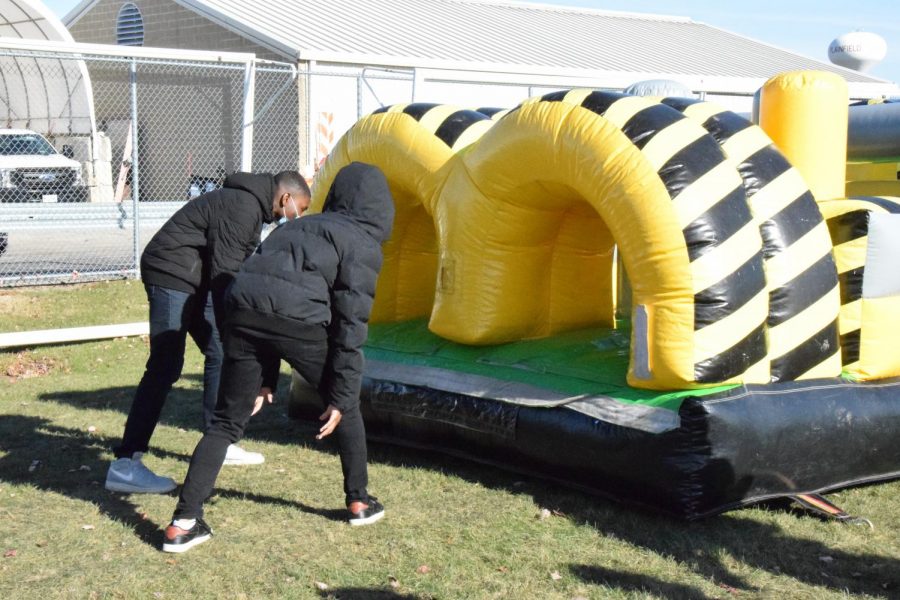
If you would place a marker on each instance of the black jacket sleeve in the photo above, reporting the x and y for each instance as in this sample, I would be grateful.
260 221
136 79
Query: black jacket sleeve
230 240
351 303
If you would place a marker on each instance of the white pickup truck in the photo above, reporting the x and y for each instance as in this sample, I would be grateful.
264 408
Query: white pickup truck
32 170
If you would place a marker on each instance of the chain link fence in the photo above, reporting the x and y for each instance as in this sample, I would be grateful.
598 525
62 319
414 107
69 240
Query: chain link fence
96 152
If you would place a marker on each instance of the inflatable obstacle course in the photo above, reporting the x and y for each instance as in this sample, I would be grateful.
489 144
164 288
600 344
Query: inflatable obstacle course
495 332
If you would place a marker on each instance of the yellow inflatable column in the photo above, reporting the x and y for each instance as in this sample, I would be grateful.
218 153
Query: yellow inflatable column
805 113
866 236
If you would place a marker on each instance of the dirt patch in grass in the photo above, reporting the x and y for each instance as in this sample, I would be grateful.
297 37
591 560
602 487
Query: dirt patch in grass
26 365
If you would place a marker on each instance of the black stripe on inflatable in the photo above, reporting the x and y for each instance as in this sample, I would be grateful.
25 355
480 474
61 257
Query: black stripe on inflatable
729 294
802 291
725 218
454 125
646 123
848 226
554 96
807 355
790 224
680 104
690 163
725 124
761 168
383 109
887 205
851 283
488 111
418 110
735 360
850 346
599 102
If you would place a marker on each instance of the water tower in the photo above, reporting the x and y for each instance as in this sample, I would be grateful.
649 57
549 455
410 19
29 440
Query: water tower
857 50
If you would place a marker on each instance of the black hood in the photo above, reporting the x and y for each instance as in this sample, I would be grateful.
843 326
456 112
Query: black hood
261 185
361 192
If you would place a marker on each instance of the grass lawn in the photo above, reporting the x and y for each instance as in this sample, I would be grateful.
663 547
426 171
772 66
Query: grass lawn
453 529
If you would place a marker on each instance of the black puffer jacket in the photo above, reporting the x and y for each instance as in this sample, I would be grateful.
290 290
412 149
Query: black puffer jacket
203 244
321 271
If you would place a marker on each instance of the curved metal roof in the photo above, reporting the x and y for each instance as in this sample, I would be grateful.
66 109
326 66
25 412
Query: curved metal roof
48 95
498 35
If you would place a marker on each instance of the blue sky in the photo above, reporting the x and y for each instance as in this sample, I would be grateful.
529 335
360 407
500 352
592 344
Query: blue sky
802 26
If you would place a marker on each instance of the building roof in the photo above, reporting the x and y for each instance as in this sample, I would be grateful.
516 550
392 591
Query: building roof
493 35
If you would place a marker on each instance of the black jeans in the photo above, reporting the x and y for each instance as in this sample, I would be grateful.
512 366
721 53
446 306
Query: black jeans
246 354
173 316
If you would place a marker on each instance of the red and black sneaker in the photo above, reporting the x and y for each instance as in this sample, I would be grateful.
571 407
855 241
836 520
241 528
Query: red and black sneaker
177 539
365 513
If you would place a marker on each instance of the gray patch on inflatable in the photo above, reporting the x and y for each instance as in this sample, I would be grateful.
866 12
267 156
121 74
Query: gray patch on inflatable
882 275
636 416
641 350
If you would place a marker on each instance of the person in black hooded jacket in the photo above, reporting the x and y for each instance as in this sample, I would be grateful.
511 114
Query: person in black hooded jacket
186 267
305 296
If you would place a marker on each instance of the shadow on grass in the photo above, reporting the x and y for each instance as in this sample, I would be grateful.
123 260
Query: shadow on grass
332 514
628 582
183 407
48 457
702 546
367 594
73 463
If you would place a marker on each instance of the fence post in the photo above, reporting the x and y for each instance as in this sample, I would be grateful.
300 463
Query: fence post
135 174
359 95
247 129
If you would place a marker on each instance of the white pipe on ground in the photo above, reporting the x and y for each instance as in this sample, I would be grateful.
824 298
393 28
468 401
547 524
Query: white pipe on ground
73 334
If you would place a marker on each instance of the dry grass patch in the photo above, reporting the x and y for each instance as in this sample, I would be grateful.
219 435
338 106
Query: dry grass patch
28 364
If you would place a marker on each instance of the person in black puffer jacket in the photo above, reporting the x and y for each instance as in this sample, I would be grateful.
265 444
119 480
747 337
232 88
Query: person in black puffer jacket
186 267
305 296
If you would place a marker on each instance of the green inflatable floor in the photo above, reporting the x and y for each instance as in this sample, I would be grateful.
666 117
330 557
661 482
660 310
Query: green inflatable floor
586 362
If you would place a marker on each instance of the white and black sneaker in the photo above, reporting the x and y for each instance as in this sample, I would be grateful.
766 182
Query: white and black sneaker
366 514
179 539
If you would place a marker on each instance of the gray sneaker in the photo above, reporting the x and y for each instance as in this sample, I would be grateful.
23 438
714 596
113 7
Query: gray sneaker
129 475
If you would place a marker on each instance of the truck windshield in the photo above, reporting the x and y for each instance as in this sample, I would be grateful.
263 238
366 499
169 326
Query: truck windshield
22 144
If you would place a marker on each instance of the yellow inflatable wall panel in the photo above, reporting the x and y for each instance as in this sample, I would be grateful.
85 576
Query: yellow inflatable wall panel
873 188
806 114
872 171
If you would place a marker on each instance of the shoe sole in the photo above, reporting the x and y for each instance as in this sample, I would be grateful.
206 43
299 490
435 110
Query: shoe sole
133 489
367 520
179 548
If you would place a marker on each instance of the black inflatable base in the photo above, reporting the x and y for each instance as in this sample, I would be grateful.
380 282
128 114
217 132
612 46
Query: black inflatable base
732 449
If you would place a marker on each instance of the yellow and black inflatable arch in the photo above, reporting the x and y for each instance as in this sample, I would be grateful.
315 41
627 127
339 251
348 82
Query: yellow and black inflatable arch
800 270
659 184
410 143
729 257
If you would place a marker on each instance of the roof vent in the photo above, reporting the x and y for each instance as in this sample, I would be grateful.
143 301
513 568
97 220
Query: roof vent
130 26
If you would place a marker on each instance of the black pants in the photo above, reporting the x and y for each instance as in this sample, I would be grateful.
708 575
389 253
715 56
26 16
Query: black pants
245 356
173 316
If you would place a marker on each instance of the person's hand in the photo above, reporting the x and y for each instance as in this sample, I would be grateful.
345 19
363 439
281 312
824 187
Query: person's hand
265 394
332 417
